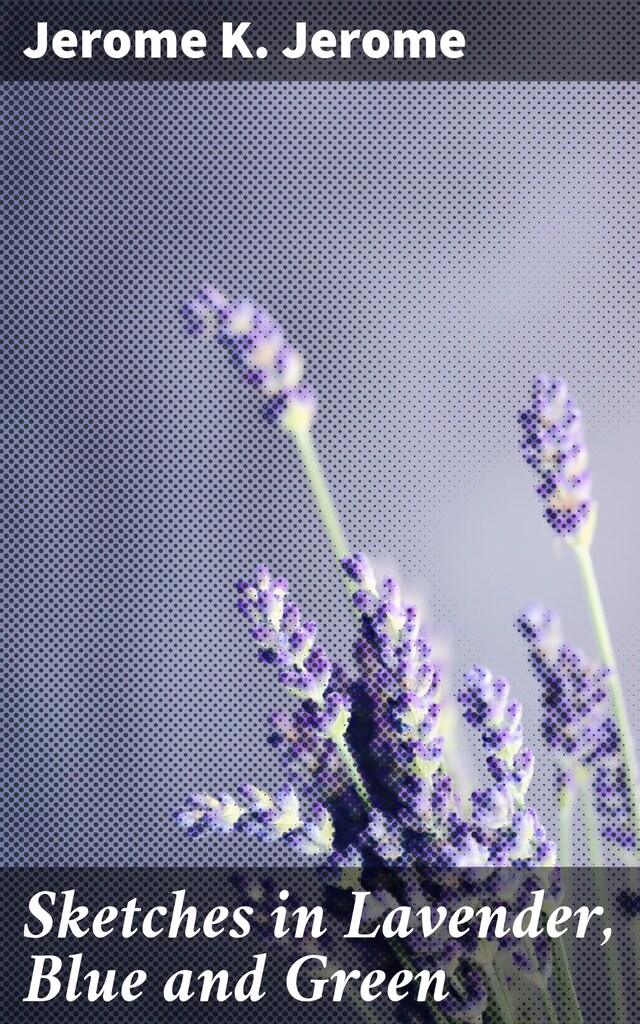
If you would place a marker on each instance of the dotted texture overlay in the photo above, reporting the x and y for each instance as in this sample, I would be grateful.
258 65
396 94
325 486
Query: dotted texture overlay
429 248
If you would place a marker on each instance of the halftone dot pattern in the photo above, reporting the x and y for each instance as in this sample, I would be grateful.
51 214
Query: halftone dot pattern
429 248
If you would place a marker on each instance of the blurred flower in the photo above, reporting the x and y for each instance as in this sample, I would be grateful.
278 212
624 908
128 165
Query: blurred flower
202 811
612 793
258 813
335 718
577 722
272 817
316 838
512 833
283 638
553 445
257 344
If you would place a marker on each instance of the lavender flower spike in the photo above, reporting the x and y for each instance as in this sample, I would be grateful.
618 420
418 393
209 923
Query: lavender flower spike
260 814
257 344
578 723
283 638
553 445
489 708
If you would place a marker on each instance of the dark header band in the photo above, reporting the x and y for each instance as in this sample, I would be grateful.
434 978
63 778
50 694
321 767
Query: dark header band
320 41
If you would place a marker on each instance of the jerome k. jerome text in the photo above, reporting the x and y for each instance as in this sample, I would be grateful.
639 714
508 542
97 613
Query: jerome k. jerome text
235 41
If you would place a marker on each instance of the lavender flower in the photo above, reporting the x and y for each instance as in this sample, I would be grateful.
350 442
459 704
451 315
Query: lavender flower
283 638
257 344
370 747
309 736
511 832
260 814
553 445
577 722
364 750
612 792
367 784
576 693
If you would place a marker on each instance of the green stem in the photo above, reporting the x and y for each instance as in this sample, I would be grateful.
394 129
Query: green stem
607 654
329 517
602 895
499 994
566 988
542 985
495 1013
548 1005
590 822
353 771
321 492
567 804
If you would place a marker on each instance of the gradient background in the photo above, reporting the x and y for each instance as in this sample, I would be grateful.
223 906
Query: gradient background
429 248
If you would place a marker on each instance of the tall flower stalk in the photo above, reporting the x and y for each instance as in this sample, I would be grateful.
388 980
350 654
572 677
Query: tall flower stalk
313 468
553 444
581 732
271 366
578 728
585 719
